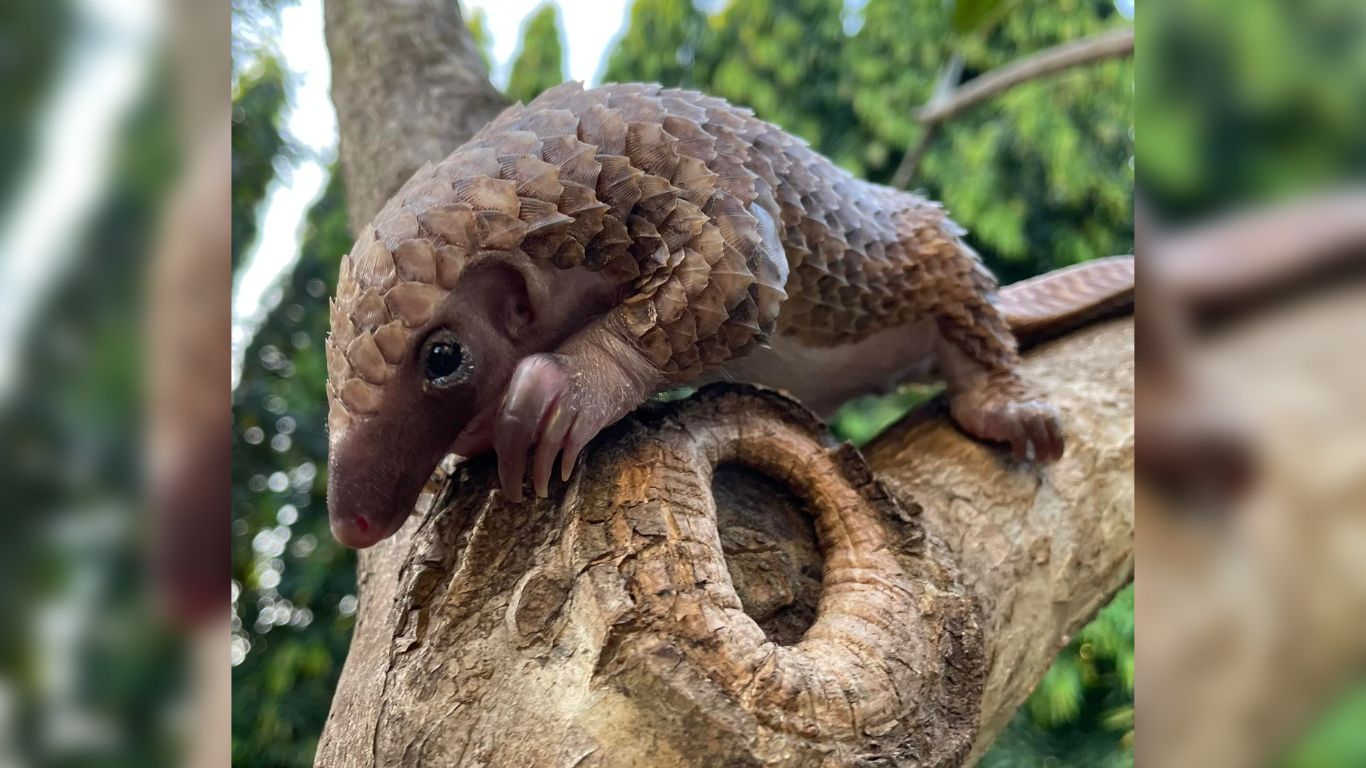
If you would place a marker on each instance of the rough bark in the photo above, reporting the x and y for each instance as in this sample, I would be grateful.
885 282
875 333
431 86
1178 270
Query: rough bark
1042 550
797 606
409 87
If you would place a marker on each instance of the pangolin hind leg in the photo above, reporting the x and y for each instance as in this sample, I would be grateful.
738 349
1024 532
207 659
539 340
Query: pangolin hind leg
987 396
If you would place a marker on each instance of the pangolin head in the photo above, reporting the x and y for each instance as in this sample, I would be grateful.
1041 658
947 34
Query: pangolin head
423 340
434 305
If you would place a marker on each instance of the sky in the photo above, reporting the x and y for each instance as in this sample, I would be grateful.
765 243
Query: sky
310 126
590 26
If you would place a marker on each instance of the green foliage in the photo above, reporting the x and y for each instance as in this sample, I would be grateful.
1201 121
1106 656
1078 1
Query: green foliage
1101 657
767 54
970 15
294 585
660 45
862 419
540 61
1082 713
30 49
1041 174
257 147
1247 102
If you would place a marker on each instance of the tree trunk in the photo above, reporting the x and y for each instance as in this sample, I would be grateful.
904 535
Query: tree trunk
719 583
409 88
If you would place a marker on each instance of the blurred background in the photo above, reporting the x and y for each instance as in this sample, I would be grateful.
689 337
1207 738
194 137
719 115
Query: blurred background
95 144
1252 229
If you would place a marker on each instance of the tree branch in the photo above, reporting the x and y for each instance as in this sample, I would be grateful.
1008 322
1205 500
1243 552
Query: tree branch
1041 550
720 583
943 106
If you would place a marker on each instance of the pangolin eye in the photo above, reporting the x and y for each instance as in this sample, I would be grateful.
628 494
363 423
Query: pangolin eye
444 360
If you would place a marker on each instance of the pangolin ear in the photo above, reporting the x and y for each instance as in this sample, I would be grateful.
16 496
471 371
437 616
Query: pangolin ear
502 289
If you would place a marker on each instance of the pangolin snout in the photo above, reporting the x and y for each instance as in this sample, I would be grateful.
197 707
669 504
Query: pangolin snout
370 493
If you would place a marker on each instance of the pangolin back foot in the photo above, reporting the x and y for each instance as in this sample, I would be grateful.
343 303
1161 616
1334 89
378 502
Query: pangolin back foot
1003 408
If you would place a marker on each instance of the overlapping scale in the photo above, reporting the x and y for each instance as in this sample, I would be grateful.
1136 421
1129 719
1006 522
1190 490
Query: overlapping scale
653 187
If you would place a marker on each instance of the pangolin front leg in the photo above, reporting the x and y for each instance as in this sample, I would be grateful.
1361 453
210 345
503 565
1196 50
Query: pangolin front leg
557 402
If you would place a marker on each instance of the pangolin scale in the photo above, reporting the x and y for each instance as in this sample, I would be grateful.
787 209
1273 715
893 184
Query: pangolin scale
713 233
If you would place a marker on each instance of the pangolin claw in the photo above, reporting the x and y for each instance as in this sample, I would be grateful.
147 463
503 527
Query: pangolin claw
1005 411
548 408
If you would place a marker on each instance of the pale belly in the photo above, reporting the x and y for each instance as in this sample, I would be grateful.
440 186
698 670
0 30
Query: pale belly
822 378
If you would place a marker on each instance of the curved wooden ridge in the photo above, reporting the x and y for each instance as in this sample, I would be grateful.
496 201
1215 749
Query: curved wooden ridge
874 668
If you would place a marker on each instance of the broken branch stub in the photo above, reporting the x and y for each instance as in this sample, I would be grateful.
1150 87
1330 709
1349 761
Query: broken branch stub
608 626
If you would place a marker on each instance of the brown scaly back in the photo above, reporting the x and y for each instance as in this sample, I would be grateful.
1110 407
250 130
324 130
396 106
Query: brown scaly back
725 228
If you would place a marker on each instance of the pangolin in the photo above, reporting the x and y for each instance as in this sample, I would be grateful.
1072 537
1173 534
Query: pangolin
592 248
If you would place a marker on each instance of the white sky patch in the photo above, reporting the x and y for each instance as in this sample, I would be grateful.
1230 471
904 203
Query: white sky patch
104 71
589 26
310 127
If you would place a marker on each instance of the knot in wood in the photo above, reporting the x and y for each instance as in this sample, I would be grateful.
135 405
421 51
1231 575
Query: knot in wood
893 647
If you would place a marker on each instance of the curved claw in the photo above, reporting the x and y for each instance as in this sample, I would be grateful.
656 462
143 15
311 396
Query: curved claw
1042 432
579 436
557 427
539 382
558 402
1049 426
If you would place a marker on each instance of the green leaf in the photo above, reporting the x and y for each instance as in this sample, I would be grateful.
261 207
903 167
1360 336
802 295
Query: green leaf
968 15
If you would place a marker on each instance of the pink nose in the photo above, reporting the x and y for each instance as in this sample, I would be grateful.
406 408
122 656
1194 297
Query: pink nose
355 531
372 485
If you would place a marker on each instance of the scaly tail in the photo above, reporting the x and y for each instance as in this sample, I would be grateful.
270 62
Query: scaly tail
1051 304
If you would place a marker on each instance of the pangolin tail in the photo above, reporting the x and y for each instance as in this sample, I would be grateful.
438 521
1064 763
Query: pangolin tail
1051 304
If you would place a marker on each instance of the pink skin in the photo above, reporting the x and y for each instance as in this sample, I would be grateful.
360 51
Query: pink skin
555 403
539 409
